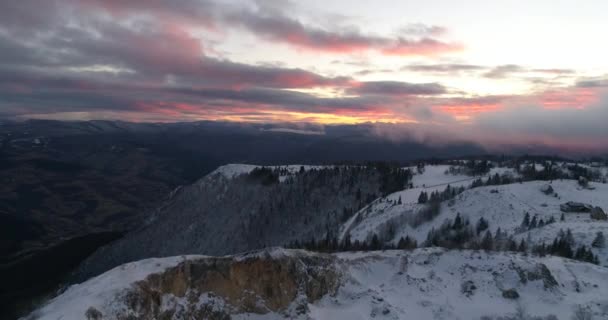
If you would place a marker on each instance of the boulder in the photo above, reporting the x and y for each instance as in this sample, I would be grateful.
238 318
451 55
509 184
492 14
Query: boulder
546 189
598 214
510 294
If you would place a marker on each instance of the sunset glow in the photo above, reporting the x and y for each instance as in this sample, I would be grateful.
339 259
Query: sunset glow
337 62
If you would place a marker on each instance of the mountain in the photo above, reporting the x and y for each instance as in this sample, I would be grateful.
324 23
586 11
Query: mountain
428 283
65 181
243 207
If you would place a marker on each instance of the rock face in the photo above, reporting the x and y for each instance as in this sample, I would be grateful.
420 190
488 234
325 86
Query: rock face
216 287
598 214
572 206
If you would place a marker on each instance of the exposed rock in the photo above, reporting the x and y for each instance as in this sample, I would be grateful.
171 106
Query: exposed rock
510 294
572 206
547 189
217 287
598 214
93 314
541 272
468 288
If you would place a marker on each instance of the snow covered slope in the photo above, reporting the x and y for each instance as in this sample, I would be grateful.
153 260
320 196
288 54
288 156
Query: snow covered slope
277 284
433 178
502 206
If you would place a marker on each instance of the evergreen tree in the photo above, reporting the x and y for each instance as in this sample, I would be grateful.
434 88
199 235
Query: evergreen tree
522 246
423 197
526 222
487 243
375 243
599 241
482 225
512 245
457 222
562 217
533 223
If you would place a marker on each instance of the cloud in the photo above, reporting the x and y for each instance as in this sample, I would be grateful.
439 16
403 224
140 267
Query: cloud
397 88
592 83
270 21
443 68
532 123
145 60
503 71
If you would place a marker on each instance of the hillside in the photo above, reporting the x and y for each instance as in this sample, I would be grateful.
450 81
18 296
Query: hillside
502 206
277 283
238 208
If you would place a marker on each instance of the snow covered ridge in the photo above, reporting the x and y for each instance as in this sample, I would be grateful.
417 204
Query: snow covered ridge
428 283
233 170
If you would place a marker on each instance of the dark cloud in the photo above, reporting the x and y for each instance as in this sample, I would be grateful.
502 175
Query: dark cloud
271 21
504 71
592 83
397 88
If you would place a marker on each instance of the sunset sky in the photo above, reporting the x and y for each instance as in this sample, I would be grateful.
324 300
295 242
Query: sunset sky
496 71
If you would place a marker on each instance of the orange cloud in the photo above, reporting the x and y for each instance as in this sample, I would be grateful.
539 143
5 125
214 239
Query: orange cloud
573 98
467 111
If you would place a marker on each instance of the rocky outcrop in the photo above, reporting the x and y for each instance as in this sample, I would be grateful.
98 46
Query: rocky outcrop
214 288
598 214
572 206
510 294
547 189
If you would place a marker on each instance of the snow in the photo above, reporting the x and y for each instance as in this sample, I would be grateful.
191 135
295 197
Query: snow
102 290
426 284
231 171
503 206
234 170
434 178
421 284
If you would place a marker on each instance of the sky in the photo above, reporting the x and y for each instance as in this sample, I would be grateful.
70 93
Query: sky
497 72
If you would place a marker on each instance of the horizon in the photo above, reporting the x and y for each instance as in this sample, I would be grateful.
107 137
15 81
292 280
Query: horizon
520 74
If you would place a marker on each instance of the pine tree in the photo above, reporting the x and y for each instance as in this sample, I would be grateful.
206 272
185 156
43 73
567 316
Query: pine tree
569 237
599 241
533 223
512 246
399 201
457 222
487 243
522 246
375 243
526 222
482 224
562 217
423 197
